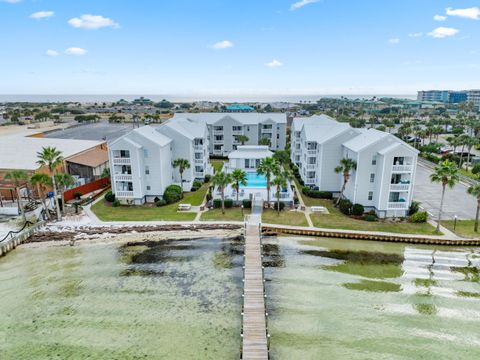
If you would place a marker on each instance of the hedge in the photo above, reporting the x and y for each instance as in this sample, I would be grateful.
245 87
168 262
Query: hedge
345 206
109 196
217 203
419 217
173 193
247 204
358 209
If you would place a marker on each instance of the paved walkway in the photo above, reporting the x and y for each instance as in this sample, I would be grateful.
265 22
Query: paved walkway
302 205
255 345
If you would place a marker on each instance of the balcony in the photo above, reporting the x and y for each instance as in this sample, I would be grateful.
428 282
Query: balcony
124 194
397 205
199 174
402 168
123 177
121 161
312 152
310 181
311 166
198 147
399 187
199 161
217 132
269 131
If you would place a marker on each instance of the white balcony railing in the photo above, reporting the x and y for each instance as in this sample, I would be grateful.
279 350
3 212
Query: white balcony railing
397 206
311 152
267 130
399 187
124 194
311 166
217 132
199 174
123 177
310 180
198 147
121 161
198 161
402 168
215 141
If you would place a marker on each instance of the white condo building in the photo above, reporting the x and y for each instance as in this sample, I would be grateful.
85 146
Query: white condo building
383 180
224 129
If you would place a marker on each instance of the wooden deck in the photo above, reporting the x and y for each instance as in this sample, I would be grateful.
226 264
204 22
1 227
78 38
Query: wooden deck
255 345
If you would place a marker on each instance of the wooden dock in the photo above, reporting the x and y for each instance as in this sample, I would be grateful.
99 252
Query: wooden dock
255 343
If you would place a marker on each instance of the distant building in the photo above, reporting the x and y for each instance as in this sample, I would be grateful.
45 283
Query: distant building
142 101
456 97
474 97
239 108
444 96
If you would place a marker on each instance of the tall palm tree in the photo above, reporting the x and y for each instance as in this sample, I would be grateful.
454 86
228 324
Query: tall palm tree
242 139
475 191
346 167
42 181
268 167
239 177
52 159
64 181
445 173
182 165
281 181
17 177
222 180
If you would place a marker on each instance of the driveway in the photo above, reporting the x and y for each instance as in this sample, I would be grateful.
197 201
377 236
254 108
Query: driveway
457 201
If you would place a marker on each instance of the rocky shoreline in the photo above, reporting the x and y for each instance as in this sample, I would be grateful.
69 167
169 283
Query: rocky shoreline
91 232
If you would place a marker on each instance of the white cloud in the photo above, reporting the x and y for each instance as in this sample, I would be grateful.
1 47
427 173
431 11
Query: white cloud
225 44
11 1
443 32
92 22
42 14
301 3
414 35
469 13
439 18
394 41
274 63
51 53
75 51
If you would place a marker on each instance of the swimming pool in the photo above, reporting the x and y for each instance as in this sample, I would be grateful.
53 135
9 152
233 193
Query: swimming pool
256 181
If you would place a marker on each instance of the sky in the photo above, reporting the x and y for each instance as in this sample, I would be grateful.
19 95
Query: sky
203 48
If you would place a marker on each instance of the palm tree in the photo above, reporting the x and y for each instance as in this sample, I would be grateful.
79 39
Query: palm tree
64 181
182 165
17 176
345 167
242 139
268 167
239 177
222 180
475 191
52 159
445 173
281 181
42 181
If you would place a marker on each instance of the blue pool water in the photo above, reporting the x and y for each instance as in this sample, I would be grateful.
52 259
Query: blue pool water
255 180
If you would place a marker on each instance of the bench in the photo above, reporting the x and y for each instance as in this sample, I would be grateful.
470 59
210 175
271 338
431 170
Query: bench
184 207
321 209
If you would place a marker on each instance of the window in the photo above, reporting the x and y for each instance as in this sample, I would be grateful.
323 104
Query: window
236 128
278 136
148 187
145 153
234 147
147 170
198 155
198 169
374 160
218 128
372 178
124 153
370 195
218 137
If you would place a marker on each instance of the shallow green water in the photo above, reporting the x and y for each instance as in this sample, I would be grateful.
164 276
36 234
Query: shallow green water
340 299
150 300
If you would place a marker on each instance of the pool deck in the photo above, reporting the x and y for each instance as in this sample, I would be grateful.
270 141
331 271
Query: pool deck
254 332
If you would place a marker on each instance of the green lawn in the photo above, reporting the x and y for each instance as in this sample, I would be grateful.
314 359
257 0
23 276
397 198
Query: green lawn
285 217
106 212
464 228
233 214
217 164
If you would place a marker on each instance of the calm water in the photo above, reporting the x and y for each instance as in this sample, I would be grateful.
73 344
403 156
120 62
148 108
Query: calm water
255 180
338 299
149 300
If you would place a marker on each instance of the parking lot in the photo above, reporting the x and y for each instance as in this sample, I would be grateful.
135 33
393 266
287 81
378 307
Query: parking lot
457 201
97 131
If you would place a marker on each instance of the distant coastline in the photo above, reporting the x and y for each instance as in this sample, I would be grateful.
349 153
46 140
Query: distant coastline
185 98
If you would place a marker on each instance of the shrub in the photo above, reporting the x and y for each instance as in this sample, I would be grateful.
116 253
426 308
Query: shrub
197 184
209 196
217 203
77 195
282 206
320 194
345 206
414 207
116 203
109 196
358 209
247 204
208 178
306 190
369 217
419 217
193 189
160 202
228 203
173 193
476 169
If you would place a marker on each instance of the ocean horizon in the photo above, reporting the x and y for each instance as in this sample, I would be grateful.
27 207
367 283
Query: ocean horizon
92 98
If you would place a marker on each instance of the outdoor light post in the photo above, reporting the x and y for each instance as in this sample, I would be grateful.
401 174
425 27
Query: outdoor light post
242 209
455 223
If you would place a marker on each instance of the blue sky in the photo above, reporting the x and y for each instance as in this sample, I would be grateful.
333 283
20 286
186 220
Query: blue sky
238 47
